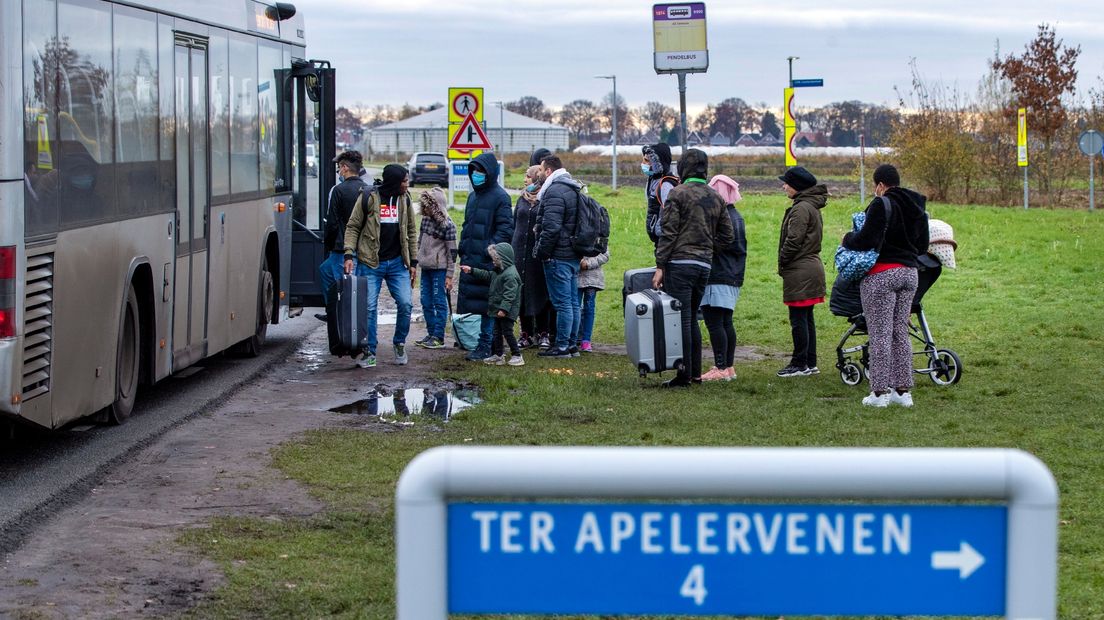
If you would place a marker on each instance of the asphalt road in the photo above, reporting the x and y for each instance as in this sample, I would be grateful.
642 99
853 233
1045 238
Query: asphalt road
41 472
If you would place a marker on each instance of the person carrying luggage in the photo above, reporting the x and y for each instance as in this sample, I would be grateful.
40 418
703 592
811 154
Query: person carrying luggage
382 236
503 302
694 223
342 198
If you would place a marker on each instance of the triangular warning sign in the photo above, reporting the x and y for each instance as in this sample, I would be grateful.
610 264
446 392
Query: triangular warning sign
470 136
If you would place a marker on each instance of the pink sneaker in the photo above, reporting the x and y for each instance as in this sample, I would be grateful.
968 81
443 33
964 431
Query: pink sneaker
714 374
585 346
730 373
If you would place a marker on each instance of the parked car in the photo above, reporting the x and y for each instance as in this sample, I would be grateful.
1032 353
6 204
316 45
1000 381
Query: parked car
428 168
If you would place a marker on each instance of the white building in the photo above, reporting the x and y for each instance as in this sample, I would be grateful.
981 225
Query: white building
429 132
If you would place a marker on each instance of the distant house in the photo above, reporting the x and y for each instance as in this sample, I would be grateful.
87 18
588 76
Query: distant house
694 139
747 140
650 137
810 138
769 139
719 139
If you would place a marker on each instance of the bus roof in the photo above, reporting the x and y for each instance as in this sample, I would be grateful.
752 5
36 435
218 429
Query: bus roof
243 16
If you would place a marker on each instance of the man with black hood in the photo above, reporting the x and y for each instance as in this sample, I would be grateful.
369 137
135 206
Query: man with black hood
656 165
695 221
383 236
889 286
488 219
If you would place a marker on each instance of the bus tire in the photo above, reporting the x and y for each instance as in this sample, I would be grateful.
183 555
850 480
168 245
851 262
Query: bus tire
127 361
251 347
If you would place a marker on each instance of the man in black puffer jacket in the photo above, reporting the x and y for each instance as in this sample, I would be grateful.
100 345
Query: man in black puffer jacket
488 219
342 198
559 208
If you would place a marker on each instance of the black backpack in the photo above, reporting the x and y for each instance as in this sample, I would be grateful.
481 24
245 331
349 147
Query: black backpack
592 227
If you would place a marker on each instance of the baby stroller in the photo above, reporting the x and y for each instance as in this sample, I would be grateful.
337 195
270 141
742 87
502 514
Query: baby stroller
941 365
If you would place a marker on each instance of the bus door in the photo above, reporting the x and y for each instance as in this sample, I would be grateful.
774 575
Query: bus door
192 203
307 122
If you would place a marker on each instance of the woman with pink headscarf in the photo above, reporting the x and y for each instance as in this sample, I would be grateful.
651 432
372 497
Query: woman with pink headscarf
723 288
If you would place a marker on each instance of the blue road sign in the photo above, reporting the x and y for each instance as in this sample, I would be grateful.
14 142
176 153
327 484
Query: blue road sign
806 83
460 168
739 559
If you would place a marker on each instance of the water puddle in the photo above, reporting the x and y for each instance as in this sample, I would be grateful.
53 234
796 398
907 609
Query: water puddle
397 406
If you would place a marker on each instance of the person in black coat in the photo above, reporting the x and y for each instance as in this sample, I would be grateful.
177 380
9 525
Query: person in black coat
559 204
488 219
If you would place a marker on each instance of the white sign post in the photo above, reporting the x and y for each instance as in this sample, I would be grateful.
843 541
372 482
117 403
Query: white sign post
552 530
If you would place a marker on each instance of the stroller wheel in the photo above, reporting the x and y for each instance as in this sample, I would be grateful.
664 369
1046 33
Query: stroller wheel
851 374
946 367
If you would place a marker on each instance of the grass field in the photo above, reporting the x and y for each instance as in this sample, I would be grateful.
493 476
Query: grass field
1023 311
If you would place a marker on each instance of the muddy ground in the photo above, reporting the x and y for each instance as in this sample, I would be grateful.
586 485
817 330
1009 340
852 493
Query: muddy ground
113 554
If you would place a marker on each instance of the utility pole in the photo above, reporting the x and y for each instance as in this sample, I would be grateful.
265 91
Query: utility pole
613 132
501 130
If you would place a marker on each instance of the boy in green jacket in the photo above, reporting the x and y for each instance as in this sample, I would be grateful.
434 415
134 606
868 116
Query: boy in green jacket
503 302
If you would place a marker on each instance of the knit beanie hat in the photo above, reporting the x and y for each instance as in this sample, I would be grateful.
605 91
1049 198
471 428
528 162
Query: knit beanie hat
798 178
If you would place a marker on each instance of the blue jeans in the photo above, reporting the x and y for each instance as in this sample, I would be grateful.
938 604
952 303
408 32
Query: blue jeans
562 277
331 271
486 333
397 276
435 302
587 299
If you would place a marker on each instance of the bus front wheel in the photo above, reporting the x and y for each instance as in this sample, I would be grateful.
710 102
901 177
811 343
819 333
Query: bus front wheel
127 359
251 346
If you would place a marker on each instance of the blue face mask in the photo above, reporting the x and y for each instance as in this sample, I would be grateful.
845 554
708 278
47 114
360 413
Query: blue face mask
478 178
646 169
82 182
532 187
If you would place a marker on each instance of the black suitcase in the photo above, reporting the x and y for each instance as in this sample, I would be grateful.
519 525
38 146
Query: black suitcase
637 280
347 314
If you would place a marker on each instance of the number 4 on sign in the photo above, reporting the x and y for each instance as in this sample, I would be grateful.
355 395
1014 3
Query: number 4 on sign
694 586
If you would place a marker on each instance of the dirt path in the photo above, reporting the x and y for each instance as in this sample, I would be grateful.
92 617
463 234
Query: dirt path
113 555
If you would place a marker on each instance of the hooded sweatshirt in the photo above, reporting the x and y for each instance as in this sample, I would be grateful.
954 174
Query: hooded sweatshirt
907 234
694 218
659 187
505 283
488 219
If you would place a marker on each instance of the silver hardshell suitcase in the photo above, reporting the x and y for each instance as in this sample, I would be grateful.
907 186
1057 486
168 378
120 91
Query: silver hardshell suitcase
653 331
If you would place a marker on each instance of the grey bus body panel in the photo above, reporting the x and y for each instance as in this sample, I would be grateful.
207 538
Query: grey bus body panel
11 92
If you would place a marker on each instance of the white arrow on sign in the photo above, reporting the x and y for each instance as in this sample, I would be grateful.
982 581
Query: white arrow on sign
966 560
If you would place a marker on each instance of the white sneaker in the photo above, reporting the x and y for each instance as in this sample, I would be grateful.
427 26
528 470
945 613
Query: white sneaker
874 400
494 360
400 355
516 360
900 398
368 360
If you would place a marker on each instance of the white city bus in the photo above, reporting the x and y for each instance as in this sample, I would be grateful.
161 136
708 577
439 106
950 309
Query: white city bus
146 173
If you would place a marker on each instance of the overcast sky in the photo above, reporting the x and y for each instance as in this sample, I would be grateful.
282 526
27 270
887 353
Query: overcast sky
398 51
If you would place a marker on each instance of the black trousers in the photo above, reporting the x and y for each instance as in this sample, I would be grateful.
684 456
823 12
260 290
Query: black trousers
543 322
719 323
803 329
686 283
504 328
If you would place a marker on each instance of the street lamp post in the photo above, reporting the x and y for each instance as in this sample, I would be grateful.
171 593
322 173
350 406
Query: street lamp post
791 59
501 129
613 132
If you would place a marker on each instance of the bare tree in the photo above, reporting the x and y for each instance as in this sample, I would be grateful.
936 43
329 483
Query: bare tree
530 106
581 118
655 116
704 121
624 116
